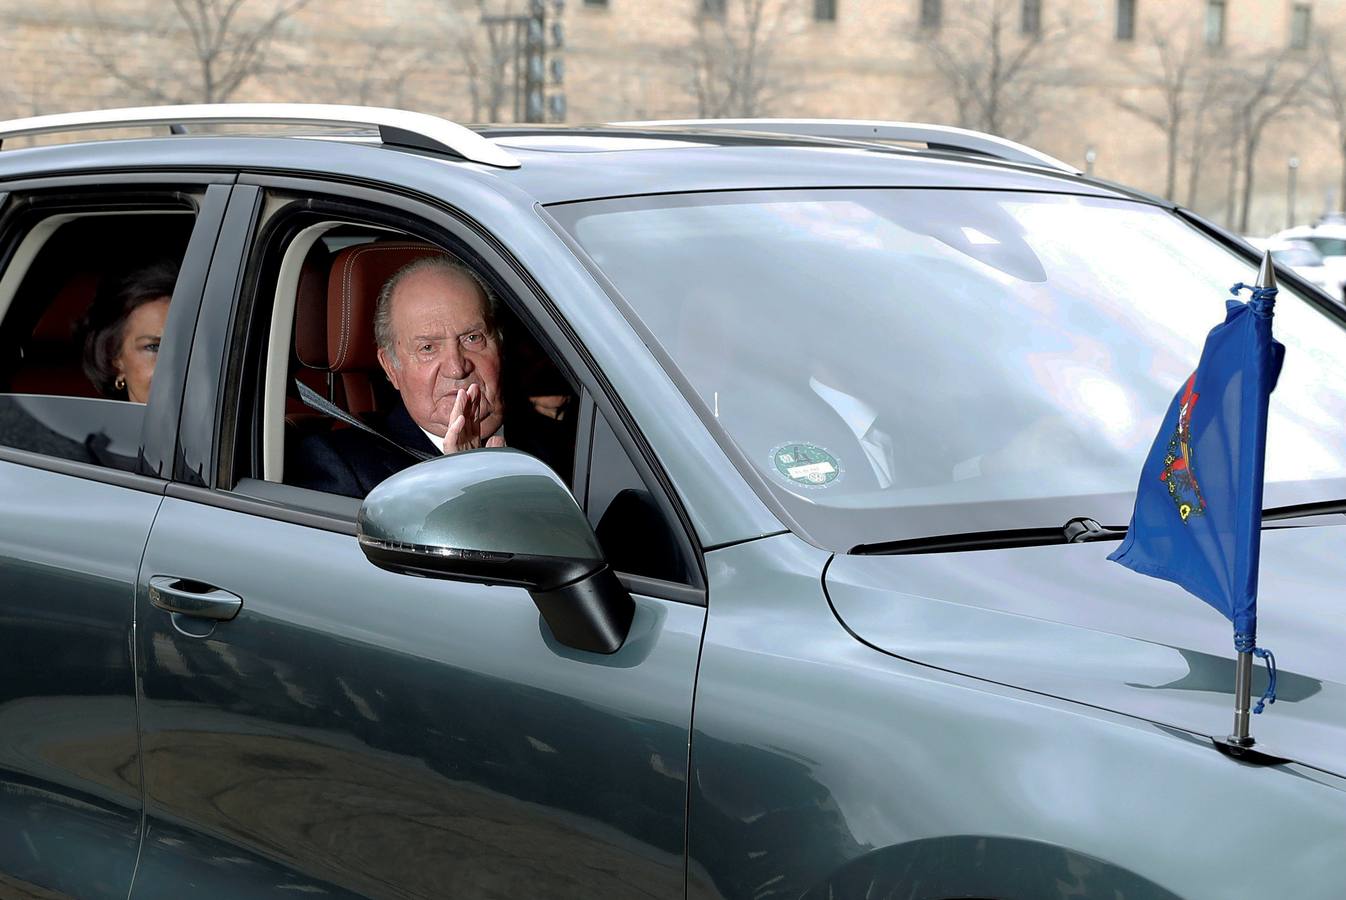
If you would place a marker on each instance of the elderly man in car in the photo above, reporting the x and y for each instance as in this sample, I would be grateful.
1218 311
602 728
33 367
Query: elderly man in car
440 346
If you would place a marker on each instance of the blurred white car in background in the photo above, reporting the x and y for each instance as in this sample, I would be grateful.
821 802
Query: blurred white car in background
1329 239
1303 257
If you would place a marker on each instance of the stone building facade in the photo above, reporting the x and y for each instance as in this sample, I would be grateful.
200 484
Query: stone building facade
638 59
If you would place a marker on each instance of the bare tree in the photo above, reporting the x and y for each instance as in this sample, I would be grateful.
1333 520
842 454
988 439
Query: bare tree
224 41
1205 90
1257 94
733 60
374 74
23 95
1329 96
1181 63
995 66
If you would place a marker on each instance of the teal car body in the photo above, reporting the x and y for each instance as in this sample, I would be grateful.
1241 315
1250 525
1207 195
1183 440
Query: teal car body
838 697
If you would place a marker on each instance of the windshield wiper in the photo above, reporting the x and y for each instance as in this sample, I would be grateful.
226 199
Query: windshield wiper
1078 530
1300 510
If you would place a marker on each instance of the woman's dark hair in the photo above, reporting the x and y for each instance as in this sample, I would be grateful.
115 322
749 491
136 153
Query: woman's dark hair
105 321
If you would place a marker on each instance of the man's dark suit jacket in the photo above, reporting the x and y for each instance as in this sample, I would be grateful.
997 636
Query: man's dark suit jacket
350 462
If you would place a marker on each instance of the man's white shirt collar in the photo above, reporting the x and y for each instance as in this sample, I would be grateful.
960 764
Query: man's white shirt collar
438 441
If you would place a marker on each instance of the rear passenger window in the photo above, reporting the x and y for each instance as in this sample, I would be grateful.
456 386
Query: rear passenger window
85 296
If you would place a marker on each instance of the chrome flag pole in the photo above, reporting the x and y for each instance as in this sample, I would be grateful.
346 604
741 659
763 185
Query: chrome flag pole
1243 673
1243 691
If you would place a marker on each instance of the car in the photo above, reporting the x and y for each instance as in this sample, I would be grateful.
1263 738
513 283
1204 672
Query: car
1328 236
819 608
1303 257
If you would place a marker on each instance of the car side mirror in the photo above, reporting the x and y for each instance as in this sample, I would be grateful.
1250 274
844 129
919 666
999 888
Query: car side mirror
500 516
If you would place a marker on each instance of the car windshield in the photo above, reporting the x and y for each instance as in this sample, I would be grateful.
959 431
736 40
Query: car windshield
901 363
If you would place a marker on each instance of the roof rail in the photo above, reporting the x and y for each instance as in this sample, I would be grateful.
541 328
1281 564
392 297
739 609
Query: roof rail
935 137
395 126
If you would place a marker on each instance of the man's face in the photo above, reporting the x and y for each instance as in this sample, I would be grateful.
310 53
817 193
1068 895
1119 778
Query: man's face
441 345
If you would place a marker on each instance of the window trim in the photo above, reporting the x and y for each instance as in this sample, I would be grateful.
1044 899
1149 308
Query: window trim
148 484
447 226
193 460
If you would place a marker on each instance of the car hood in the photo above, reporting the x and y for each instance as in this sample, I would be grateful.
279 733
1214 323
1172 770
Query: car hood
1063 620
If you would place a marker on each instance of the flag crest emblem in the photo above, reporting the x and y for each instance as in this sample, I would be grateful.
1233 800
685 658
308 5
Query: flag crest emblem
1179 471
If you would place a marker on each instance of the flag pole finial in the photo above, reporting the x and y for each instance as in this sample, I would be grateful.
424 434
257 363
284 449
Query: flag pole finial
1266 275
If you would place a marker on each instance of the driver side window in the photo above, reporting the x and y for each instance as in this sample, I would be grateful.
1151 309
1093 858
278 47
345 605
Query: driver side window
340 404
330 405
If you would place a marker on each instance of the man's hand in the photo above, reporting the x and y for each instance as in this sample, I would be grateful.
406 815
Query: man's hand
464 431
552 406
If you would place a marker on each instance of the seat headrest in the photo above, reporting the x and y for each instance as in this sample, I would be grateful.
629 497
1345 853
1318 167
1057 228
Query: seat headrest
52 360
358 274
71 302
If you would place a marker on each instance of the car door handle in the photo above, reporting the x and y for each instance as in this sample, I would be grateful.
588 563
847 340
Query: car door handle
192 598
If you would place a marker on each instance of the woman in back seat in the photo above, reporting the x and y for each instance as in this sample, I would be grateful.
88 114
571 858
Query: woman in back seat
123 328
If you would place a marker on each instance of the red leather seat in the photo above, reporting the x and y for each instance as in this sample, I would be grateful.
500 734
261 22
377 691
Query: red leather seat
338 336
52 359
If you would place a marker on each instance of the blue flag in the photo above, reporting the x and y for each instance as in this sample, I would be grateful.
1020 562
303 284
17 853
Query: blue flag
1198 515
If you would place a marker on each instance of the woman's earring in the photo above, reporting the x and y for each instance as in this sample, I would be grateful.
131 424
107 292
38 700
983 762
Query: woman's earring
120 383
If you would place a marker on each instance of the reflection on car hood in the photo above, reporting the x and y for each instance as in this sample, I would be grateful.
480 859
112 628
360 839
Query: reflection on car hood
1064 621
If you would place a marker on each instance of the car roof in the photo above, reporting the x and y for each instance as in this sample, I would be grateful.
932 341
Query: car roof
562 164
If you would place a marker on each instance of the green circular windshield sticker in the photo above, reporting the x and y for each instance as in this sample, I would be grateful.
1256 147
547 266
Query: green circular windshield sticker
805 464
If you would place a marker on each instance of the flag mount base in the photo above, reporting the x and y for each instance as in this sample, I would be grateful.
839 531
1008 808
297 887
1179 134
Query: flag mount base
1248 755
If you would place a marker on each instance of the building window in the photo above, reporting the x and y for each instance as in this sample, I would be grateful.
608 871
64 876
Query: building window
1215 14
824 10
1126 20
932 13
1299 26
713 8
1031 23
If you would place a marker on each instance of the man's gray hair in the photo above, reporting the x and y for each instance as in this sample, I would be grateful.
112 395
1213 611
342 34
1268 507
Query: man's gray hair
383 309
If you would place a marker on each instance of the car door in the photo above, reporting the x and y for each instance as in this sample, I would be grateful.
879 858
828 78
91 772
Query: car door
81 479
324 725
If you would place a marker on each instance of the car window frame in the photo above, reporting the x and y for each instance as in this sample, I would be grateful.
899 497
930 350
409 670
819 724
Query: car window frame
209 445
24 201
